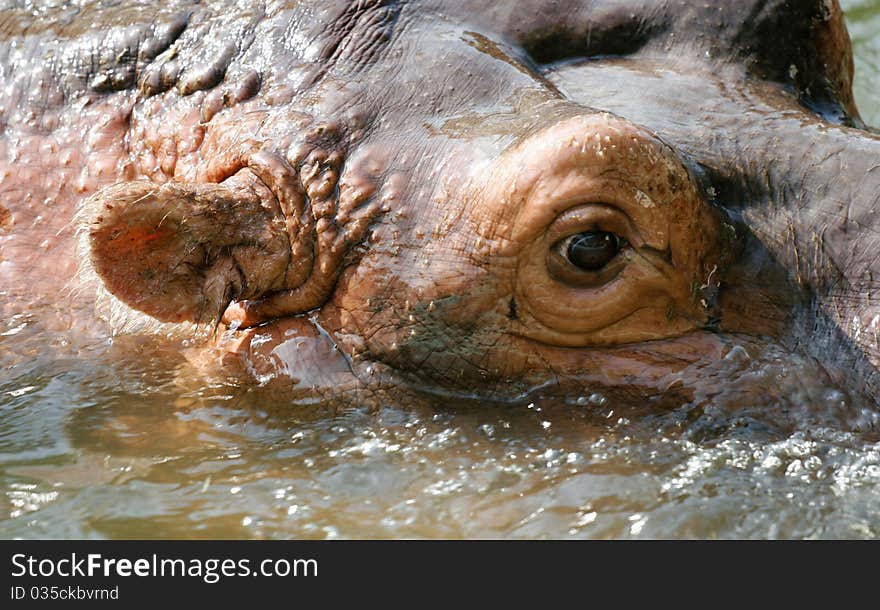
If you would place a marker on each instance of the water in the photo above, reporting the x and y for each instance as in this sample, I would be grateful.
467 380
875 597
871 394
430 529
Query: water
863 20
110 440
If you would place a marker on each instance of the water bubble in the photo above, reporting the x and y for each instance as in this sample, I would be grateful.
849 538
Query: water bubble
21 391
738 355
795 468
638 523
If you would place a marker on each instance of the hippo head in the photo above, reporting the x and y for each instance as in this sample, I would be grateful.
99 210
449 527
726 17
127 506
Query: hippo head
484 201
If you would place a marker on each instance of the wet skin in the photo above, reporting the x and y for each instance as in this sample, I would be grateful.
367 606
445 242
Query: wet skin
436 196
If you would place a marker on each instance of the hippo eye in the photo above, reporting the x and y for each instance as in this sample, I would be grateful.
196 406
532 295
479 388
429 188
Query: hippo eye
592 250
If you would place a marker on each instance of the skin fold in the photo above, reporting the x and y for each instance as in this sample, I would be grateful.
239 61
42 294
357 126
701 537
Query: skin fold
385 194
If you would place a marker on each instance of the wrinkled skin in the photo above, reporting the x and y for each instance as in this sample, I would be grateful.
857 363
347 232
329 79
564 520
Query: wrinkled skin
383 194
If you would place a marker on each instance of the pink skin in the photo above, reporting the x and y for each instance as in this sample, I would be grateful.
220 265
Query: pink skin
41 180
444 308
553 184
319 230
542 189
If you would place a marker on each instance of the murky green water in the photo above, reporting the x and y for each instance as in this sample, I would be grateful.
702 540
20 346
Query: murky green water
109 440
863 19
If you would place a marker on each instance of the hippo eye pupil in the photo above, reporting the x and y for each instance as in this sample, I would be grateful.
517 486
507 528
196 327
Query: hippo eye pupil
593 250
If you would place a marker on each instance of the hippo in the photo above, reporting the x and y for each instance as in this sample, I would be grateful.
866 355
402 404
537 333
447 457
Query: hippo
454 197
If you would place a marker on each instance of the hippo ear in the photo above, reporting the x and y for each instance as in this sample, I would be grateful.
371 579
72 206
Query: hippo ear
181 253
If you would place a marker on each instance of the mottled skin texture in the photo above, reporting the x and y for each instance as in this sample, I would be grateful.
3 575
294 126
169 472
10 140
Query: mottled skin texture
377 191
